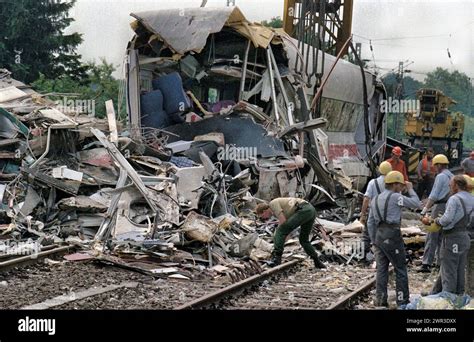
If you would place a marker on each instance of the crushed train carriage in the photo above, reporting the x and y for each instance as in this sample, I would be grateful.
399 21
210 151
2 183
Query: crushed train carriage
194 73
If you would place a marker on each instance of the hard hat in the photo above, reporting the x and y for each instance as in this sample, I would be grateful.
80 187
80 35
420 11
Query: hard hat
385 167
394 177
432 228
440 159
397 151
470 182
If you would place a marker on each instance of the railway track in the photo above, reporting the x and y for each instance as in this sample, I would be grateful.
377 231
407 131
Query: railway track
292 285
27 260
88 285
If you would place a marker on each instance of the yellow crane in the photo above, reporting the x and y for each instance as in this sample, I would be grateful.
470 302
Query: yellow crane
434 125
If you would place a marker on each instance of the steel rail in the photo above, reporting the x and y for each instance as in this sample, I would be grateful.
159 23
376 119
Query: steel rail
218 295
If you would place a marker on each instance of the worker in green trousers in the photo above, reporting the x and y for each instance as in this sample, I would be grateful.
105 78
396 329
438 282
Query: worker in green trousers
291 213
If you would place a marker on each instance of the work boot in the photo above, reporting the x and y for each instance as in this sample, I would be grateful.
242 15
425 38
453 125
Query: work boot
318 263
424 269
275 260
379 302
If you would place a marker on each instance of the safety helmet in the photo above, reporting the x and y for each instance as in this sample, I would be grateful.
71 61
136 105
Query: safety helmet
394 177
440 159
397 151
470 181
385 167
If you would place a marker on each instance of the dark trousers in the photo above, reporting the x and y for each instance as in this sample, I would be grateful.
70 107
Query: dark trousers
366 243
304 217
453 254
424 186
390 249
433 240
470 271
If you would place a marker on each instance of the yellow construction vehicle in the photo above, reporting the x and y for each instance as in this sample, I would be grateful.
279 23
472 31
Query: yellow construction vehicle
434 125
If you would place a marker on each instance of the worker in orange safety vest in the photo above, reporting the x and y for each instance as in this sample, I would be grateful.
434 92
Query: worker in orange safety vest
426 174
397 163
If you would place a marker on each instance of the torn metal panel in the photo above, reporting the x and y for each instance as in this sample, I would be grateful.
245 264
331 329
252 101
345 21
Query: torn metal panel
195 25
124 227
149 196
32 200
10 126
168 197
189 181
107 223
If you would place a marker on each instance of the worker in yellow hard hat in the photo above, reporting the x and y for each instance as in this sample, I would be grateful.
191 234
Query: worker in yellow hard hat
438 197
375 187
470 184
455 244
383 224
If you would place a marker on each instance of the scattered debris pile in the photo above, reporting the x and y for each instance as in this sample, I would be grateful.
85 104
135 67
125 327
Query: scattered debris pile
167 209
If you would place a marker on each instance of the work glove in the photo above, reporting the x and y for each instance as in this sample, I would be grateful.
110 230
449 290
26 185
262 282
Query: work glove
432 228
424 211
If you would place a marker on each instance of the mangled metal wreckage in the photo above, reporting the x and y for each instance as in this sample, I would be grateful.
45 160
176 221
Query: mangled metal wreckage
197 73
219 119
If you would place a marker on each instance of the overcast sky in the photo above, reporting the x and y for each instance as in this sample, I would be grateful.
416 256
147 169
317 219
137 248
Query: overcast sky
418 31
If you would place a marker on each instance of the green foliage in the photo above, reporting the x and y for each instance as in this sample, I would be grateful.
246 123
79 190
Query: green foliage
410 86
454 84
98 85
469 133
275 22
33 42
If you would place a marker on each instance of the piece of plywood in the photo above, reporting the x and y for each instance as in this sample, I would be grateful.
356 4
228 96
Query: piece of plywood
11 93
64 299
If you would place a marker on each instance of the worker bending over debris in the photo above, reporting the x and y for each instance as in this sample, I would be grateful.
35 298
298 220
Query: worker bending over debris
384 229
455 237
291 213
439 196
375 187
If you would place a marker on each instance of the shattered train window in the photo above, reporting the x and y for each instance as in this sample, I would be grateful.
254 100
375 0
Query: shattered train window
341 116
